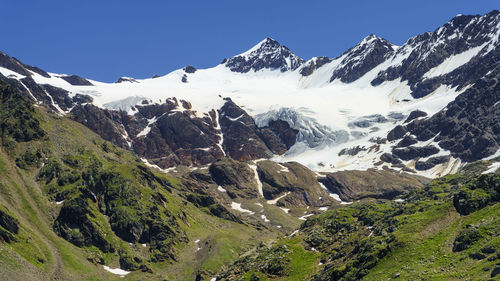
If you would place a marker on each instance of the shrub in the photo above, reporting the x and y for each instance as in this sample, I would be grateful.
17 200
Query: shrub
466 238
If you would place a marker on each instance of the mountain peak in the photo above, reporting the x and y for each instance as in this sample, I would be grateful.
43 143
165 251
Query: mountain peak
374 39
363 57
268 43
267 54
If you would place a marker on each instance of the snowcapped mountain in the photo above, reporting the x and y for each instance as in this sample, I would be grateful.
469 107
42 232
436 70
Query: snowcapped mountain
268 54
425 107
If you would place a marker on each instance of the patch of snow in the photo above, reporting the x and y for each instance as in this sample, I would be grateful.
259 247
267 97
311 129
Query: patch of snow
27 89
492 168
274 201
221 135
453 62
237 206
93 194
333 195
144 245
303 218
59 202
117 271
283 169
59 110
295 232
399 200
146 130
494 155
197 245
146 162
286 210
234 119
264 218
219 188
324 209
257 180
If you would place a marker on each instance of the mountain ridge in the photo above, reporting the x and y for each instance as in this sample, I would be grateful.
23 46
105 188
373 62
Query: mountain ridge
426 73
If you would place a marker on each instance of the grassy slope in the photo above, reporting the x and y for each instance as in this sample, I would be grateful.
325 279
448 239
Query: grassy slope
424 228
41 254
427 247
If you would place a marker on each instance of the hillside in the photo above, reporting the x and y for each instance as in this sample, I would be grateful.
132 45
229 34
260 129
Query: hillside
72 202
449 230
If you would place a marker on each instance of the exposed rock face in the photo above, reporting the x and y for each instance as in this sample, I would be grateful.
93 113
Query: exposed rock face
177 138
352 151
55 98
315 63
126 79
62 99
236 177
101 121
189 69
269 54
422 53
407 141
171 134
286 134
468 127
431 162
208 202
19 67
76 80
355 185
396 133
291 177
414 115
243 140
389 158
360 59
79 98
412 152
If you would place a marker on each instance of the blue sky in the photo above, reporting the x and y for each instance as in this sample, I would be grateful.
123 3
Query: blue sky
106 39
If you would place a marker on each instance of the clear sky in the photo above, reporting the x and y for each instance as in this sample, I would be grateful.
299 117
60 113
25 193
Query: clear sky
106 39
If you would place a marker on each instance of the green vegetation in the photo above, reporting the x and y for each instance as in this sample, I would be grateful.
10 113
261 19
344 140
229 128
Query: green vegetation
284 259
110 208
17 121
423 237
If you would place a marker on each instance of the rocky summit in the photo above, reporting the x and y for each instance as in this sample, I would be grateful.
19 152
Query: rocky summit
382 163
